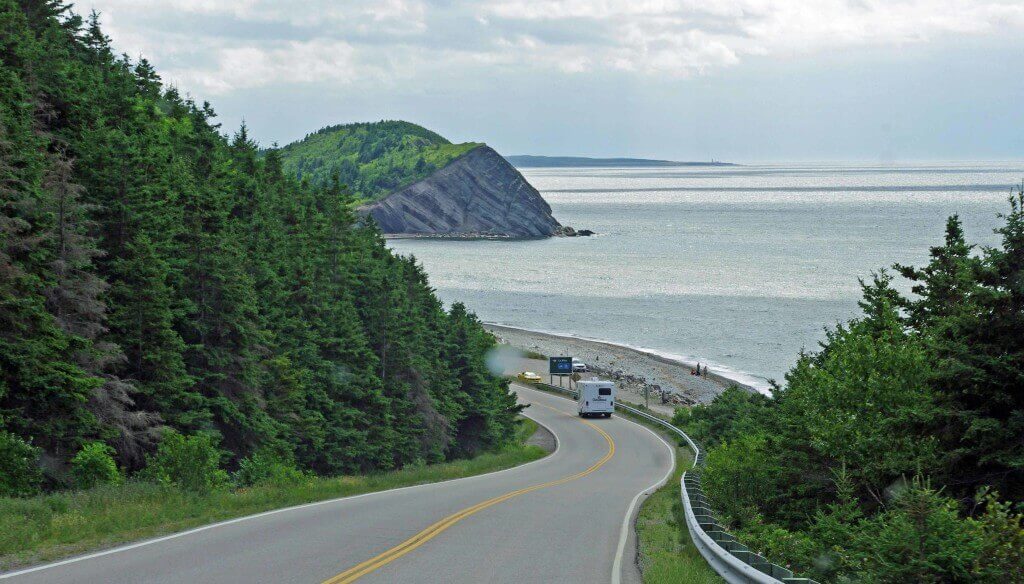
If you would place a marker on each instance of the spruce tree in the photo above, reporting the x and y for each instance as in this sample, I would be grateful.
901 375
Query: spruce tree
155 273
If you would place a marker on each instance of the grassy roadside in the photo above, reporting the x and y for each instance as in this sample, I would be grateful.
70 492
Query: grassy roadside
666 551
57 525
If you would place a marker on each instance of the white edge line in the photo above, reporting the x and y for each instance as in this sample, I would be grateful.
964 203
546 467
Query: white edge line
148 542
624 533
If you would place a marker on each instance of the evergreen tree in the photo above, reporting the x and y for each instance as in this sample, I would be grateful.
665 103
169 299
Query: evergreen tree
154 272
948 284
982 366
145 311
969 309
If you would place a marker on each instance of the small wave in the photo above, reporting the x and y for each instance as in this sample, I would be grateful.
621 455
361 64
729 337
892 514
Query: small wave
988 188
756 382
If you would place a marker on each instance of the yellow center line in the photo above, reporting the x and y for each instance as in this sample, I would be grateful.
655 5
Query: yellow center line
359 570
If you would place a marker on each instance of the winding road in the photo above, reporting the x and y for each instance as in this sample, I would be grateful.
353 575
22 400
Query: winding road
563 518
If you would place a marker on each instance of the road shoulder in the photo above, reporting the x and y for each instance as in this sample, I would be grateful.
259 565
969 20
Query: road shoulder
178 515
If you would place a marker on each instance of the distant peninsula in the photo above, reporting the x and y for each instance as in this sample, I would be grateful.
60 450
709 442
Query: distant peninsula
414 182
476 195
528 161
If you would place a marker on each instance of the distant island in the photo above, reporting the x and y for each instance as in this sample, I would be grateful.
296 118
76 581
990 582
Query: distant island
528 161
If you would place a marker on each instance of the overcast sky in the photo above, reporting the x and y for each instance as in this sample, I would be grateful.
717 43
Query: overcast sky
737 80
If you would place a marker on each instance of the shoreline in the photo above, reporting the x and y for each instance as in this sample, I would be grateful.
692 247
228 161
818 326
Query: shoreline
631 365
465 237
562 231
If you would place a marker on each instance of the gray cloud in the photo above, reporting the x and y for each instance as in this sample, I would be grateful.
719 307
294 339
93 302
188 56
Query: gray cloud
216 46
688 79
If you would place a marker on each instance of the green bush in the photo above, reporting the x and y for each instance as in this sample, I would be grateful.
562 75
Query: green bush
267 467
1002 540
94 465
738 475
19 473
735 412
920 539
920 536
191 463
865 403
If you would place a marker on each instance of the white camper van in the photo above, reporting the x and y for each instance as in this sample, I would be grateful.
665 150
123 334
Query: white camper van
595 398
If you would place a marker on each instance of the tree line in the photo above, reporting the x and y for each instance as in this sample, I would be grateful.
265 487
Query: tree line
895 453
158 277
373 158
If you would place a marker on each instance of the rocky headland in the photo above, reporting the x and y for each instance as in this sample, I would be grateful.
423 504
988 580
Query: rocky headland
477 195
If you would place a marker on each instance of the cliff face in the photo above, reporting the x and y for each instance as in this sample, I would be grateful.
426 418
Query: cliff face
478 194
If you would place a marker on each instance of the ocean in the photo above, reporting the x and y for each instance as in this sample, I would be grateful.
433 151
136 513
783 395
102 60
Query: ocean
738 267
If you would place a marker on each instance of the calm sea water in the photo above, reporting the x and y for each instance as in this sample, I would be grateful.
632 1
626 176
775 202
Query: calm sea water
740 267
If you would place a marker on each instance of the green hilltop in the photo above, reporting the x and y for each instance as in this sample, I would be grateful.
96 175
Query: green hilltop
373 158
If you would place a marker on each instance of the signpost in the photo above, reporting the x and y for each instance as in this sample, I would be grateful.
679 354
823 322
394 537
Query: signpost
559 366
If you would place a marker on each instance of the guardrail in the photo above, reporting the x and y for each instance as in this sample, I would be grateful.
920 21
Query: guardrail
733 561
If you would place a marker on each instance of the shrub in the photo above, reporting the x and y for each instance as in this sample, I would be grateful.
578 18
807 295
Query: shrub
737 476
19 474
864 402
94 465
265 466
920 539
734 413
1002 541
191 463
781 545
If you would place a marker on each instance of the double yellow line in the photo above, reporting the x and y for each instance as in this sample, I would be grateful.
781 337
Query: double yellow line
359 570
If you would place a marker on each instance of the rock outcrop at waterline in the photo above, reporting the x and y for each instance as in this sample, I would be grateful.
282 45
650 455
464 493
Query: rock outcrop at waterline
478 194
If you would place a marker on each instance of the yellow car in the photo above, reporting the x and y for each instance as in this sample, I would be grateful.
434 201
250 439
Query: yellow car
529 377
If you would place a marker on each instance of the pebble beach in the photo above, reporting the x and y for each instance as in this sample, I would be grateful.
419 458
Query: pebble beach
633 369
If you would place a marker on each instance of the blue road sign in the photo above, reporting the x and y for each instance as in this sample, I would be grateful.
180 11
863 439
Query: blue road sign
560 365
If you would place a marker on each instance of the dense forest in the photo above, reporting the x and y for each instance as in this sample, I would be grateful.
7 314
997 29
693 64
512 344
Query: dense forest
895 453
374 159
160 281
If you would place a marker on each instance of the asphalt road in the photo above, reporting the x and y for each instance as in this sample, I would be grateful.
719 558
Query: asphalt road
540 367
559 519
